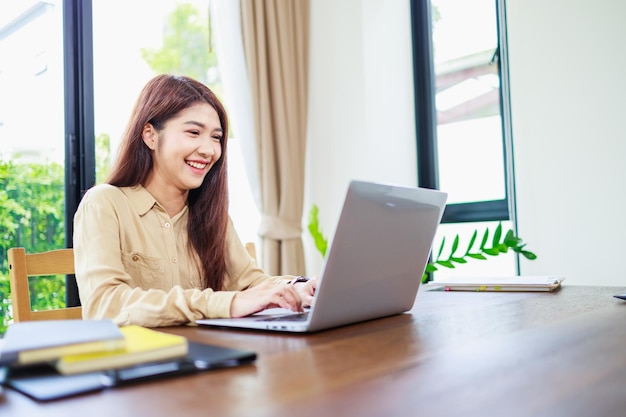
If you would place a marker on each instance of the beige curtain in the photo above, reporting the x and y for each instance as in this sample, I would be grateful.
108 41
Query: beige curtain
276 45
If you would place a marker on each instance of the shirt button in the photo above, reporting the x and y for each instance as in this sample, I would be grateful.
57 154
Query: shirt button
167 225
174 260
135 258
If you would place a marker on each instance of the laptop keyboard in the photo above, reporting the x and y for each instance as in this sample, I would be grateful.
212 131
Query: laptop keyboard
288 317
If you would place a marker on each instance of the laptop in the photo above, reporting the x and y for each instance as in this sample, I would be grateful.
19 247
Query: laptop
374 265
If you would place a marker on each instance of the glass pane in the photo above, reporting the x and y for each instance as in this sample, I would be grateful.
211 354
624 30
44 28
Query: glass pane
471 158
32 211
174 39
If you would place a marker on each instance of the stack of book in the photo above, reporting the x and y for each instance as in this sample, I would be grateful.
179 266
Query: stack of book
53 359
76 346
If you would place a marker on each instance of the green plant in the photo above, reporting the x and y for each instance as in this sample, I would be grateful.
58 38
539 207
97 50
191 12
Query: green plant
321 243
31 216
499 243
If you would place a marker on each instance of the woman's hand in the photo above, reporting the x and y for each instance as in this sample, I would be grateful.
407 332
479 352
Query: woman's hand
306 290
266 295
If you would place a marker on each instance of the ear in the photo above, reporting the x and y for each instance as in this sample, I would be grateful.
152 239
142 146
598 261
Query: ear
149 136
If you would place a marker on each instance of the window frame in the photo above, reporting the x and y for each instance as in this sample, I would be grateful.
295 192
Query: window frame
80 160
426 122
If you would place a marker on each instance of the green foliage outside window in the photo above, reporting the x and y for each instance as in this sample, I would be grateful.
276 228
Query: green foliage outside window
184 26
31 216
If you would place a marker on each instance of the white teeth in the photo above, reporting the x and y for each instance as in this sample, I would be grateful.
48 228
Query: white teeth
196 165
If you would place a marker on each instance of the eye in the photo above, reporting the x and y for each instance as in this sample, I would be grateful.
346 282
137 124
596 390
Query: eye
217 138
193 132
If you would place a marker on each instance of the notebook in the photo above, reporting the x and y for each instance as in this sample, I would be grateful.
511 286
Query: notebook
142 345
374 265
524 283
32 342
44 383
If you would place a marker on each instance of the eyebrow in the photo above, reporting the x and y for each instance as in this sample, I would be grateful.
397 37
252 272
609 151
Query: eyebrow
202 125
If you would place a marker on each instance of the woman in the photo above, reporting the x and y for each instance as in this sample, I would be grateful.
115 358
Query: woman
154 245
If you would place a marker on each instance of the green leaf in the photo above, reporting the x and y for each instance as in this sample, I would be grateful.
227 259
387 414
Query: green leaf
431 268
477 256
491 251
511 240
447 264
471 242
443 242
496 236
485 237
519 248
321 243
455 245
529 255
458 260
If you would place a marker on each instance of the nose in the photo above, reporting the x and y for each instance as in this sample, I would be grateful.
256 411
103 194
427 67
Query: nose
209 149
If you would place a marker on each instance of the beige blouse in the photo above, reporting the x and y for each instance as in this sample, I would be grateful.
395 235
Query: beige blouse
133 264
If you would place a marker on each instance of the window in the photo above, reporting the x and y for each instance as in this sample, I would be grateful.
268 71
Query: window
69 76
462 119
31 126
32 141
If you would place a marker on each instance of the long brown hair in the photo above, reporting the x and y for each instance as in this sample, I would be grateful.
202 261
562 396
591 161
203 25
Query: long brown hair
160 100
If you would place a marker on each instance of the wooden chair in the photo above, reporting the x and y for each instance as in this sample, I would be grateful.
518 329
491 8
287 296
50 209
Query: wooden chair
22 266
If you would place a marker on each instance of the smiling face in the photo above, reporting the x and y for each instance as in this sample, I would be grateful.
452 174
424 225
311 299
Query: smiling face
183 151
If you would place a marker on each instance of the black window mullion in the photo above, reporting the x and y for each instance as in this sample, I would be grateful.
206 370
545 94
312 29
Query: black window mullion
80 172
481 211
424 92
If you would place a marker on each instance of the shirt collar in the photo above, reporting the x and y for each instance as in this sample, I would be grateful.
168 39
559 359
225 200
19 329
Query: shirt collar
140 199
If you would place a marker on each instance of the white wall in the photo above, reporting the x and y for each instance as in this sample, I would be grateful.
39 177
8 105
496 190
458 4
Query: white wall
361 108
568 88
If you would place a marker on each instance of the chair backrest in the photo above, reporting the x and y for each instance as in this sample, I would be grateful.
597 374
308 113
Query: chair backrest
22 266
55 262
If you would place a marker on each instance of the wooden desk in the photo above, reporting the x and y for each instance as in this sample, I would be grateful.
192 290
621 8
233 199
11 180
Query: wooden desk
469 354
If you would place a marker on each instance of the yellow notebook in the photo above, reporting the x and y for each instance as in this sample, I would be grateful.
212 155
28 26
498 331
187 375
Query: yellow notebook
142 345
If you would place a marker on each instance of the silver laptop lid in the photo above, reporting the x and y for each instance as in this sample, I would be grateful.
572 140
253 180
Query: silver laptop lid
378 254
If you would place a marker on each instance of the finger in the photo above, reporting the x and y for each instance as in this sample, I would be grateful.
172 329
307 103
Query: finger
292 298
284 301
310 289
307 301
